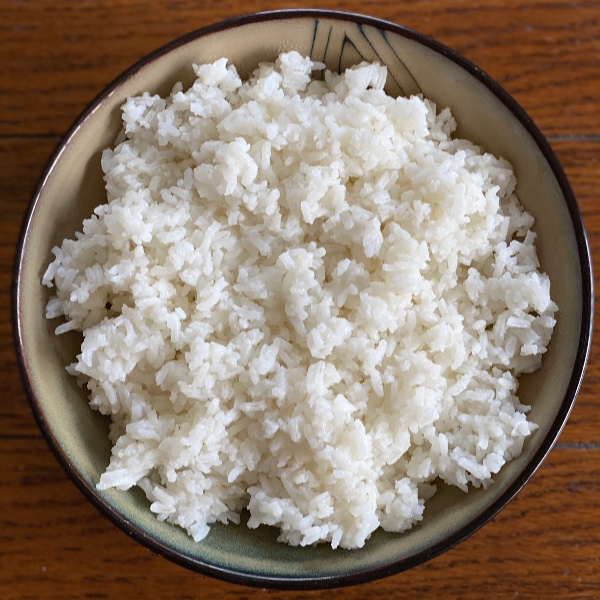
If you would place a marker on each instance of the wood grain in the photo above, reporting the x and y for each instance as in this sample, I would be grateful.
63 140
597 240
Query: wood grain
581 162
55 56
56 546
23 161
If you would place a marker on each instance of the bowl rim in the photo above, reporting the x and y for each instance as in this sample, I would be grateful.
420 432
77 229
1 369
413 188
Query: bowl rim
357 576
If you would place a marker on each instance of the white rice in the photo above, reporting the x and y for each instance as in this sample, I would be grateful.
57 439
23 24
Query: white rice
302 298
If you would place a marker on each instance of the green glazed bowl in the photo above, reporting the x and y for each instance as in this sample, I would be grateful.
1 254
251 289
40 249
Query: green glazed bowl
72 186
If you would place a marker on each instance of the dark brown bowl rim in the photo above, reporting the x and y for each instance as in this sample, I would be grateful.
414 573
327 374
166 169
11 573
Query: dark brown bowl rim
264 579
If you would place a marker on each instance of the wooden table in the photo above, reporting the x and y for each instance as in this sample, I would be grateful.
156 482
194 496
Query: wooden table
55 56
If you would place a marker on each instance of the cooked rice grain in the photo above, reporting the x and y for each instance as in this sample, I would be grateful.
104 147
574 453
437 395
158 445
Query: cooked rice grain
302 298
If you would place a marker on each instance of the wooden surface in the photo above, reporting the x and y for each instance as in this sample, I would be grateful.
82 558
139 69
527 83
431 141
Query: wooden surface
55 56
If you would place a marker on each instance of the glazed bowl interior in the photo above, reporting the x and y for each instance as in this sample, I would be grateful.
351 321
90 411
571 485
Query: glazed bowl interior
73 186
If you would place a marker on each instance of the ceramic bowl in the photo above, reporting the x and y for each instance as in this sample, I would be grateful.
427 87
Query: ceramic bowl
72 186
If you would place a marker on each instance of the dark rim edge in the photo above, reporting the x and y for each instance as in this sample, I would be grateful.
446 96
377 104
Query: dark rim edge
392 567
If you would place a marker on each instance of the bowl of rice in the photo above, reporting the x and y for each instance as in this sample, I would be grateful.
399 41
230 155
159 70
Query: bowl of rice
302 300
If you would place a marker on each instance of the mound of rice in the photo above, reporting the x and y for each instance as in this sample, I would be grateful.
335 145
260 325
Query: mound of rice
302 298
